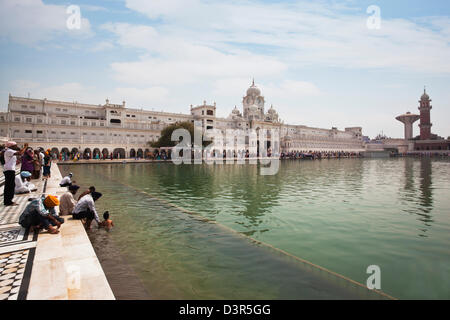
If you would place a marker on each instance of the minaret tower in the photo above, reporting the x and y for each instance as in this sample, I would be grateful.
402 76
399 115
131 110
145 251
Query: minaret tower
425 124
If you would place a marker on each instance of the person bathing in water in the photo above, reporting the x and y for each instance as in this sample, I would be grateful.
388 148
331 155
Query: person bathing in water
107 223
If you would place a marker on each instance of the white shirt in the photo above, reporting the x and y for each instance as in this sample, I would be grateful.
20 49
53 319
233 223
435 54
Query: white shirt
19 183
87 202
66 203
10 160
66 180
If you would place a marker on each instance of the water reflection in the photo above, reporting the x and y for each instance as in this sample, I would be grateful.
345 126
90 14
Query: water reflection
426 195
317 210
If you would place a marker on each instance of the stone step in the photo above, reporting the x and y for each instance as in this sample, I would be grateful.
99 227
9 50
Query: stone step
65 265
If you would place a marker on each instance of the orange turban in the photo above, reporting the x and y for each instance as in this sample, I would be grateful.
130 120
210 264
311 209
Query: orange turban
51 201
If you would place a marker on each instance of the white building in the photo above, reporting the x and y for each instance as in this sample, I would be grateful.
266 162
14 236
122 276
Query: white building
110 128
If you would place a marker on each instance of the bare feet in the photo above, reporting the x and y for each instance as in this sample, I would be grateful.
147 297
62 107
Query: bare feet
52 230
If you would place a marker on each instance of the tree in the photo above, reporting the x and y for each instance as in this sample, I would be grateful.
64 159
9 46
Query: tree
165 140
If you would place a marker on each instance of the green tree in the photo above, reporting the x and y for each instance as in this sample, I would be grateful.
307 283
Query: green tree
165 140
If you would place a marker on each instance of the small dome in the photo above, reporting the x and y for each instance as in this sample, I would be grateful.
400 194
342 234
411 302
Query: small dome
425 96
253 90
271 110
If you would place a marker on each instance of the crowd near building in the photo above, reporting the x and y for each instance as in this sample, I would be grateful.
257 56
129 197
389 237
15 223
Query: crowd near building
89 131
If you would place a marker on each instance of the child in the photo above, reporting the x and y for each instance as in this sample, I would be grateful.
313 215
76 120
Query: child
107 223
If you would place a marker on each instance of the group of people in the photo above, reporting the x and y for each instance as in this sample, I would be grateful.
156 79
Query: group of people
33 164
41 214
312 155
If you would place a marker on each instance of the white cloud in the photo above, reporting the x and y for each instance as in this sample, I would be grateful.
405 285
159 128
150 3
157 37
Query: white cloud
143 97
157 8
102 46
306 33
31 21
74 91
172 60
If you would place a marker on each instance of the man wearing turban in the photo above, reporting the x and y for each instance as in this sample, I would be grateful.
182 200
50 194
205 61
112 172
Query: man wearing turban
23 184
40 213
85 209
67 202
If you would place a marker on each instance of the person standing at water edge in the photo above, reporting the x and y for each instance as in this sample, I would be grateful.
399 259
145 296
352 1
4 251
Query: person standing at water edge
9 170
37 165
85 209
27 161
67 202
47 164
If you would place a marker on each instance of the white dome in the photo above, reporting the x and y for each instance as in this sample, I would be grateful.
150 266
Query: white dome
253 90
271 110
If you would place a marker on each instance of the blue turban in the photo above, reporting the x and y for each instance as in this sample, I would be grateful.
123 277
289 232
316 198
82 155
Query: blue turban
25 174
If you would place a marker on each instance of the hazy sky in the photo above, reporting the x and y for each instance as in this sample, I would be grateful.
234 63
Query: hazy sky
317 62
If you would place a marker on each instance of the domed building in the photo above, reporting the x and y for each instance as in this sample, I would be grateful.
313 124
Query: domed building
235 114
109 128
253 103
271 115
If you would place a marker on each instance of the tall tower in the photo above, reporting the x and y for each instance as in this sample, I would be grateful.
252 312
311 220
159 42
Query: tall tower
408 119
425 124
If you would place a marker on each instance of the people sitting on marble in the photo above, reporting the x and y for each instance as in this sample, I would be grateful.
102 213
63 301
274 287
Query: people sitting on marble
67 180
67 201
40 213
23 184
107 223
90 190
85 209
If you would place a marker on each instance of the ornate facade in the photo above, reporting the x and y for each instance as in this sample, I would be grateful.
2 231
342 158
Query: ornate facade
110 128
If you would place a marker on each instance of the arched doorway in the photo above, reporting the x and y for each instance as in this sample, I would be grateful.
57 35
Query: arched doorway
87 154
140 153
74 152
65 154
96 153
119 153
55 153
105 153
147 153
132 153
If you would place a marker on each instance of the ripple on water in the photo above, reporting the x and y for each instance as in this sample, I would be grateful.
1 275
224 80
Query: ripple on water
341 214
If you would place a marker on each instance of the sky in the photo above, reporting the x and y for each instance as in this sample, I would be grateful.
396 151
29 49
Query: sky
319 63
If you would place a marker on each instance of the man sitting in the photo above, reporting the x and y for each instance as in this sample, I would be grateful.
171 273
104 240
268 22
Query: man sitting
66 181
67 202
85 209
40 213
23 184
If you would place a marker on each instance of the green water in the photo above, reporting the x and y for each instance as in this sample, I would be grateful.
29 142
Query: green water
343 215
